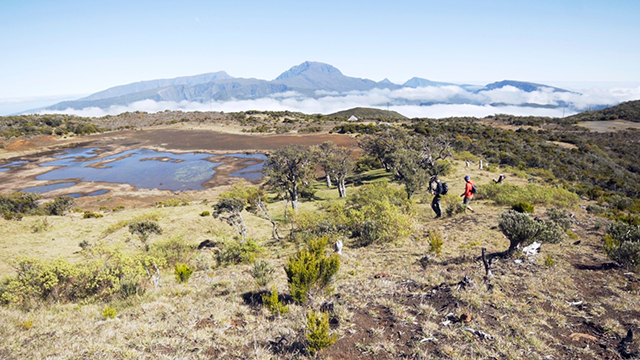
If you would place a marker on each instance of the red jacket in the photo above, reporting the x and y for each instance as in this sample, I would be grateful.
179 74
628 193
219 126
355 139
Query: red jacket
467 189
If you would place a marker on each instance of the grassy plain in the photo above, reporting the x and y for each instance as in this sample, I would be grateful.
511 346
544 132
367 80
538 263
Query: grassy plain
390 301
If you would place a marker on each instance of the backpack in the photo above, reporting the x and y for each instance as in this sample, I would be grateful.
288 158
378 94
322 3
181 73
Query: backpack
445 189
473 188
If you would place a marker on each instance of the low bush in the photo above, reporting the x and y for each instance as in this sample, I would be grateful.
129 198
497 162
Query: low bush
172 203
182 273
106 274
521 230
238 252
172 251
560 217
435 242
452 205
59 205
205 213
310 271
91 215
508 194
376 213
318 336
622 244
109 313
41 225
272 302
523 207
15 206
262 272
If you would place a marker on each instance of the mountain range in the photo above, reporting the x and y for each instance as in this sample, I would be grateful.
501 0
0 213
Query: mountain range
309 79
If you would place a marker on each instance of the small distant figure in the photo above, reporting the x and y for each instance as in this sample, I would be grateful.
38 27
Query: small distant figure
469 190
437 190
338 247
500 179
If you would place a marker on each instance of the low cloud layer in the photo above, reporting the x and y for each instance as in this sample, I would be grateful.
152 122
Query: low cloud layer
433 102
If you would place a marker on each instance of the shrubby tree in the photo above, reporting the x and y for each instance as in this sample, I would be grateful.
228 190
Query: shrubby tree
256 203
229 210
521 230
288 169
144 229
412 157
337 163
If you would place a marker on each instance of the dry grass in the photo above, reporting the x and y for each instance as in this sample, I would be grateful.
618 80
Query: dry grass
386 303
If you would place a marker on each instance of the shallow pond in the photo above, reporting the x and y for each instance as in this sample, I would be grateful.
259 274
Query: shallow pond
142 168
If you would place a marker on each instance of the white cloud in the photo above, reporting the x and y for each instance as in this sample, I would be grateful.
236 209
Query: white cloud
457 102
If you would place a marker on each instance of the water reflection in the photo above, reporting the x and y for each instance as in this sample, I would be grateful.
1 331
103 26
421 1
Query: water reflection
12 165
47 188
141 168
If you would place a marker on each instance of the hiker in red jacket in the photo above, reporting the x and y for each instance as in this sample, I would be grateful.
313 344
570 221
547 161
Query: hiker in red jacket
469 190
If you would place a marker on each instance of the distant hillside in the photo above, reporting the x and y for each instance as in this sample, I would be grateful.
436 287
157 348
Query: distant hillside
419 82
629 111
140 86
368 114
522 85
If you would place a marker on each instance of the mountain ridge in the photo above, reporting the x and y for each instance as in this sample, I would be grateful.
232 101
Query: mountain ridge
309 79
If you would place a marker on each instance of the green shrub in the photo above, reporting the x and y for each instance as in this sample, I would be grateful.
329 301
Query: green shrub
523 207
172 203
521 230
183 273
549 261
118 208
41 225
15 206
239 252
318 331
560 217
435 242
273 304
376 213
314 224
172 251
91 215
622 244
452 205
310 271
367 163
59 205
107 274
144 229
262 272
205 213
509 194
109 313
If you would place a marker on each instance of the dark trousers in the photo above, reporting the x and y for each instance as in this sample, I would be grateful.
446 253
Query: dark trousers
435 205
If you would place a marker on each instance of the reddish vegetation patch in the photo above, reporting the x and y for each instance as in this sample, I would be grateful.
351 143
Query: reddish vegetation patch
215 141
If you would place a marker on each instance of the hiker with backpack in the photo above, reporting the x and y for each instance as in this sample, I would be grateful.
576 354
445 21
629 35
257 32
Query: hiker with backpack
438 188
469 190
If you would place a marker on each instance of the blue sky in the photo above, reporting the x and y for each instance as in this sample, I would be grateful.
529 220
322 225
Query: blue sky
60 47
